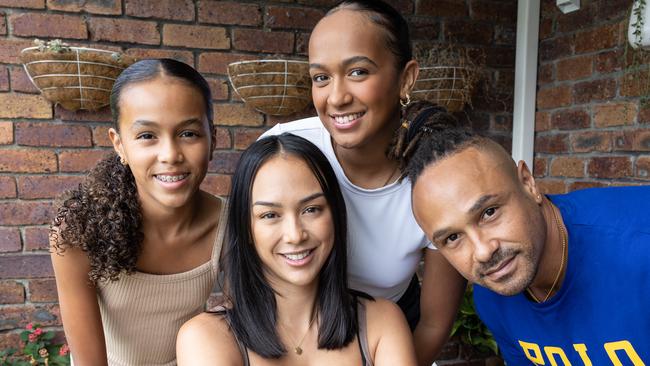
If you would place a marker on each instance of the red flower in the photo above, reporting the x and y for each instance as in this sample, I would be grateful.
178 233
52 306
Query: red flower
29 326
38 331
33 337
64 350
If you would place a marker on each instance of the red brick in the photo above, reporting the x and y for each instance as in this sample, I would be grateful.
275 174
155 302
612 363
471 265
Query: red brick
554 97
219 88
100 136
552 49
25 213
606 36
36 238
45 186
107 7
442 8
6 133
614 114
570 119
55 135
585 184
545 74
589 141
292 18
142 53
563 166
540 166
11 292
246 136
633 140
14 105
256 40
10 240
224 162
542 121
7 187
4 78
20 81
608 62
642 167
500 12
217 62
216 184
236 115
557 143
27 161
468 32
635 83
10 49
610 167
17 316
422 29
124 30
32 4
576 21
101 115
43 290
551 186
48 25
575 68
195 36
226 12
165 9
224 141
589 91
80 160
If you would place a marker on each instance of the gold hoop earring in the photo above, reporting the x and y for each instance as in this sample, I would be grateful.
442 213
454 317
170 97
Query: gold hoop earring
405 102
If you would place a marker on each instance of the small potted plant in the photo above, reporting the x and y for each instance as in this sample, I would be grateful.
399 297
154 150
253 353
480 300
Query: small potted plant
74 77
38 349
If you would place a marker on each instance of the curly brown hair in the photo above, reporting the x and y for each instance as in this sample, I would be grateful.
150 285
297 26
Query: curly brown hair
103 218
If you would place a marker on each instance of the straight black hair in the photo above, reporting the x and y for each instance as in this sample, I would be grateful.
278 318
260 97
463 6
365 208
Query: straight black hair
252 315
149 69
398 40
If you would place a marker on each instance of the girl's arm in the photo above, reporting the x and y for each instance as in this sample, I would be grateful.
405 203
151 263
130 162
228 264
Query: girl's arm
82 321
442 291
207 340
388 334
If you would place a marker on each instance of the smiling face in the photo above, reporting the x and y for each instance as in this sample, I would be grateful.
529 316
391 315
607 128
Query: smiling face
483 214
165 138
291 222
356 85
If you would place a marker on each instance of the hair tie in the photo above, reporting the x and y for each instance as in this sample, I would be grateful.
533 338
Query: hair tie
420 119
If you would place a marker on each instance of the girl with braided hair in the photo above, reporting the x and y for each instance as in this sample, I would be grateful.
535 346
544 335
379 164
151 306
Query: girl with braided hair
362 69
135 248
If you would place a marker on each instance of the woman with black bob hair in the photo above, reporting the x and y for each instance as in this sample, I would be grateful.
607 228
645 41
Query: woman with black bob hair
135 248
285 270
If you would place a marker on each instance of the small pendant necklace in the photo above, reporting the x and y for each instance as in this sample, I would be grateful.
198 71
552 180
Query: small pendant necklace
298 347
562 261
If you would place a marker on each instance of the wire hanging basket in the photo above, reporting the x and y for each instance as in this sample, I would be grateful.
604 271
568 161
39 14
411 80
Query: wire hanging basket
274 87
74 77
448 86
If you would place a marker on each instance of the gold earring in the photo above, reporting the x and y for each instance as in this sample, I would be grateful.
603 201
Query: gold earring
123 161
405 102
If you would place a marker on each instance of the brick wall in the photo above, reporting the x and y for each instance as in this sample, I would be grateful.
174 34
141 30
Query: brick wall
45 150
593 117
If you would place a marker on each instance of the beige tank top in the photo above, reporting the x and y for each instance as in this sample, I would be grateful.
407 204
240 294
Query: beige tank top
141 313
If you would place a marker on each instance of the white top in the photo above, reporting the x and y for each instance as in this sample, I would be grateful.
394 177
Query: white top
384 241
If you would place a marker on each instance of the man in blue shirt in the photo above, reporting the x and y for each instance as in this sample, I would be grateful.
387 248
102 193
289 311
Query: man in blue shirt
560 279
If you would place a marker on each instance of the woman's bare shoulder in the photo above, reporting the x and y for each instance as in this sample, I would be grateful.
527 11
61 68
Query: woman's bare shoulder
206 339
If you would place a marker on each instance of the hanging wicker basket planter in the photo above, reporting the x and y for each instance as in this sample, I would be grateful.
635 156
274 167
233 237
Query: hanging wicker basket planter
74 77
274 87
447 77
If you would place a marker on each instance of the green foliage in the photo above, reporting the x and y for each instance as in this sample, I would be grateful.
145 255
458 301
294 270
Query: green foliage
638 25
55 45
470 330
38 349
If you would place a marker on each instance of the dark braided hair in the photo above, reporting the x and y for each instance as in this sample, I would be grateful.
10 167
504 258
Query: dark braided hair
102 216
419 119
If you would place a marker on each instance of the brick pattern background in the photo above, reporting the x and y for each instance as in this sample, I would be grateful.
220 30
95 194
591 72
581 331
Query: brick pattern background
45 149
593 113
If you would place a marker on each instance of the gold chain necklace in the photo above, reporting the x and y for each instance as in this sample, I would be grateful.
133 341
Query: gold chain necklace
557 276
298 348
